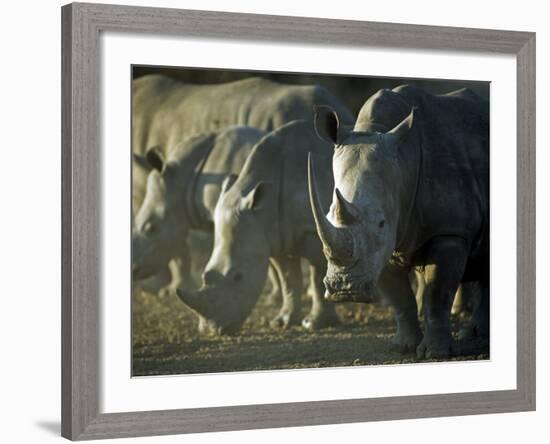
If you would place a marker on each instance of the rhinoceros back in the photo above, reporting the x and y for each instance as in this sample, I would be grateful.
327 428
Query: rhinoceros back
453 196
165 111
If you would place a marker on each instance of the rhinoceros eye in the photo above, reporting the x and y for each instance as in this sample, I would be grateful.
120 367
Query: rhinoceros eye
381 223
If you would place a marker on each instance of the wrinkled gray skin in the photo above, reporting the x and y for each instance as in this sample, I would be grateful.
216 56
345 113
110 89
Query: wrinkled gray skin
263 215
415 196
181 195
166 111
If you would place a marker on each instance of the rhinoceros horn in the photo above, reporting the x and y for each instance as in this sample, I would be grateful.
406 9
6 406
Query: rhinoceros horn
336 240
203 301
344 211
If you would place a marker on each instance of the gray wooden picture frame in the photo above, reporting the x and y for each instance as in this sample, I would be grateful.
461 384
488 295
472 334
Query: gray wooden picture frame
81 232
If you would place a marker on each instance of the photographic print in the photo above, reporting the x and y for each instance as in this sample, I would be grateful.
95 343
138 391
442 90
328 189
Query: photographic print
290 221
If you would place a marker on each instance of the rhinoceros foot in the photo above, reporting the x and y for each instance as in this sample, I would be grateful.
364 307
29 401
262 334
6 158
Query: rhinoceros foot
476 328
406 339
167 291
436 344
319 319
285 319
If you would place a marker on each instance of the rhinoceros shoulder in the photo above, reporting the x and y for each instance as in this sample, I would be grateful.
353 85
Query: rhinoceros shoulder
382 111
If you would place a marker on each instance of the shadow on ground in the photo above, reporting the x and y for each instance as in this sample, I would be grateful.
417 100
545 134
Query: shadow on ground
165 341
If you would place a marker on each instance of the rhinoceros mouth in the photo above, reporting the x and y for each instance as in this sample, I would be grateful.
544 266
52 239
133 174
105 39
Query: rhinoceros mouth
349 296
211 327
361 291
218 315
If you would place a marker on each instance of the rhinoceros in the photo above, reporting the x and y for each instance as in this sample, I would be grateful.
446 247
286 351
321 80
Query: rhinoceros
264 213
181 194
180 197
411 192
166 111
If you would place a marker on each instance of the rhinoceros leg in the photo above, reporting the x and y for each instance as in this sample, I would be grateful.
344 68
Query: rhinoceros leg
444 266
395 285
178 267
290 278
478 327
416 280
322 312
274 296
459 302
180 271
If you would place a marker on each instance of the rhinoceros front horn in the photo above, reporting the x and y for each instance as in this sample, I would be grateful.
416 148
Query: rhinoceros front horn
336 241
203 301
344 211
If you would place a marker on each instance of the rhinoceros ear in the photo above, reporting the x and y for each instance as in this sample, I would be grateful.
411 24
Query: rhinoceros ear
155 158
228 182
326 123
258 197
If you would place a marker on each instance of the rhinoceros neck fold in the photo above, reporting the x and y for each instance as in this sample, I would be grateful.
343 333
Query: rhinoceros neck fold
408 193
273 220
195 213
186 161
266 164
282 242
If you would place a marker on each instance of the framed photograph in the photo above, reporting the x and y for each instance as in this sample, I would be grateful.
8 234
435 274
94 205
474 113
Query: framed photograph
278 221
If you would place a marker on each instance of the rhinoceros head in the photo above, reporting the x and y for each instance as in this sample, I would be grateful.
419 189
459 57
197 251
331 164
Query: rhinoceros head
360 231
156 223
236 272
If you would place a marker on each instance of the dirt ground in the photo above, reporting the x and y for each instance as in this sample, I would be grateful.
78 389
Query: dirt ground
166 341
